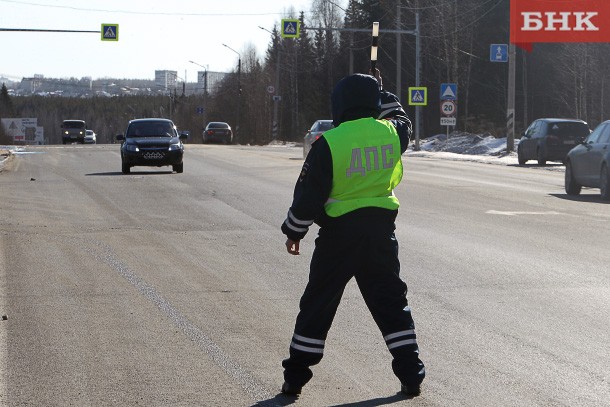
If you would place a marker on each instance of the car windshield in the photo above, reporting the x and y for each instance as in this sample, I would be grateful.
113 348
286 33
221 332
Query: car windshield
150 129
218 125
322 126
73 125
569 130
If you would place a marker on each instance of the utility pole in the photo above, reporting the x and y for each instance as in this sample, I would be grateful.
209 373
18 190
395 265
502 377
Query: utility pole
276 96
276 93
417 69
351 53
510 105
238 90
398 54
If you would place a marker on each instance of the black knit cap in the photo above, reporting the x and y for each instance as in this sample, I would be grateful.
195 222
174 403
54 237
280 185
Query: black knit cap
355 96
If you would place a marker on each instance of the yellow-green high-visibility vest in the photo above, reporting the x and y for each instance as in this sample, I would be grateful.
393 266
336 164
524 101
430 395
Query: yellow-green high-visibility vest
367 166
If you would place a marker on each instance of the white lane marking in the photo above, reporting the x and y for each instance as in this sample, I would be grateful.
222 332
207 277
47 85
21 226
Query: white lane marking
241 376
518 213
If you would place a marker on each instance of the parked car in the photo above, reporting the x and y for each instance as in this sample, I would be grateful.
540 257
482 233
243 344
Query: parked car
152 142
550 139
588 164
314 133
90 137
219 132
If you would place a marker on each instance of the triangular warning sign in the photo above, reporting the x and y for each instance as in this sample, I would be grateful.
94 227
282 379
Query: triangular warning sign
417 97
448 93
290 28
109 33
12 126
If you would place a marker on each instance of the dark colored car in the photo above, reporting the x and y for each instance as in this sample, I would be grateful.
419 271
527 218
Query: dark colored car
550 139
73 131
588 164
219 132
314 133
153 143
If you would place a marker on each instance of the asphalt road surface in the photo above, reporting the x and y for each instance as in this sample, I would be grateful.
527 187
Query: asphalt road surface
164 289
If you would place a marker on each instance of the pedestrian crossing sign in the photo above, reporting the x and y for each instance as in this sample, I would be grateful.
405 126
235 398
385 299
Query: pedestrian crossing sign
291 28
110 32
418 96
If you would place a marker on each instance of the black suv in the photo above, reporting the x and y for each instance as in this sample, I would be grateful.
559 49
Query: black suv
550 139
152 142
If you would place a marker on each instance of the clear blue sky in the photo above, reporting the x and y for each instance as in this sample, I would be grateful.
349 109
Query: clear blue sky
152 35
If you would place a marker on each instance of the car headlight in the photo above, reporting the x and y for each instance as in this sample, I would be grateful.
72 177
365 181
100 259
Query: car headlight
132 147
66 132
174 147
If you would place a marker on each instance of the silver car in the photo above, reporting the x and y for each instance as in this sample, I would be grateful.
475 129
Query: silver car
588 164
314 133
90 137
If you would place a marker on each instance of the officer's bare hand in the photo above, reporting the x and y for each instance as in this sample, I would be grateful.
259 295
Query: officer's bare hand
377 74
292 246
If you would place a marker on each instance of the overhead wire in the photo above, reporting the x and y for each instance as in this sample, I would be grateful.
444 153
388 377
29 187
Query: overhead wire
143 12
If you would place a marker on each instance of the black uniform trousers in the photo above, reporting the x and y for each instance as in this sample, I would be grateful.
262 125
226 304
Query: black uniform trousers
366 249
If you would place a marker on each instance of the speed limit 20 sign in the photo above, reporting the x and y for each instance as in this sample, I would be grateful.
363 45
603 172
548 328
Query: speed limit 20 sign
448 108
448 112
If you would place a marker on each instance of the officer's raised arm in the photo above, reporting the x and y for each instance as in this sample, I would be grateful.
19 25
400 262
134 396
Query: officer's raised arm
392 110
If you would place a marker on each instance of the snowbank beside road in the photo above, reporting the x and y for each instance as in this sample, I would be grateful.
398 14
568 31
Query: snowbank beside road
466 147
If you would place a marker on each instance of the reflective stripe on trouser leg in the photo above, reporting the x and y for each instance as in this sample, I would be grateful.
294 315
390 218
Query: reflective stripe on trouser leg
400 338
304 352
308 345
403 346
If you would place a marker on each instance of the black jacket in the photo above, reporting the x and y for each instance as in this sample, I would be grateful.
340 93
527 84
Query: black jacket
314 184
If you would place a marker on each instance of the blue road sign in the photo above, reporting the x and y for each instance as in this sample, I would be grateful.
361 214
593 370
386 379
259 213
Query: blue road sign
498 53
291 28
448 91
418 96
110 32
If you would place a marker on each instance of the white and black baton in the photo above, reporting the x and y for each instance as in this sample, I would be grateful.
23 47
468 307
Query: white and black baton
374 46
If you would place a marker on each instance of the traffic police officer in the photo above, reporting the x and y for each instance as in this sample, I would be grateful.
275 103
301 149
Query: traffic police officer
346 187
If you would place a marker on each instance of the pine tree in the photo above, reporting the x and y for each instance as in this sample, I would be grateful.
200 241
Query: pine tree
6 104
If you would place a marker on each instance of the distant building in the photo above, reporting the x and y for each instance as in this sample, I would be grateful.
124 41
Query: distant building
210 83
164 82
166 79
31 85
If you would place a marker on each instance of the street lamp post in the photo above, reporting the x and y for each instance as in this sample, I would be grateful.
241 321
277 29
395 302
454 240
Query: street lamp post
205 76
276 96
238 90
205 90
